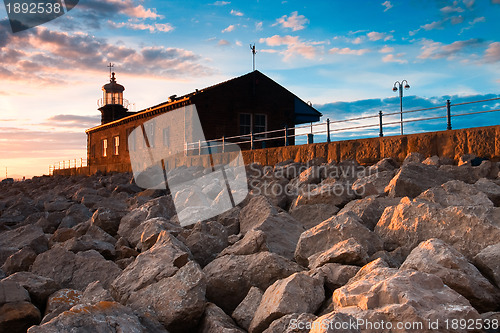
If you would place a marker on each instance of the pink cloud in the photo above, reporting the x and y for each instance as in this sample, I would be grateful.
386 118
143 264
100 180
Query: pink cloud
294 21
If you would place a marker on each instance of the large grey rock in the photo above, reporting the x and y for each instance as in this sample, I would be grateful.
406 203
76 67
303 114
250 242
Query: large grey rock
488 261
244 312
19 261
282 231
216 321
348 252
369 209
380 293
99 318
312 215
330 192
436 257
178 301
490 188
229 278
372 184
334 275
163 260
75 271
60 301
254 241
335 322
299 293
38 287
108 219
332 231
414 178
468 229
206 240
18 317
27 236
456 193
159 207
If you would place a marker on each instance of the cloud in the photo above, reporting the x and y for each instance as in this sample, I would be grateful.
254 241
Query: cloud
492 54
294 21
357 40
43 56
387 5
452 9
395 58
437 50
221 3
236 13
258 26
229 28
239 43
73 121
386 49
223 42
374 36
349 51
473 23
294 45
433 25
162 27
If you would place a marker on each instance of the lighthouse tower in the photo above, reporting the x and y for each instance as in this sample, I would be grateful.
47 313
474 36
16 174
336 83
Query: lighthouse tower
112 105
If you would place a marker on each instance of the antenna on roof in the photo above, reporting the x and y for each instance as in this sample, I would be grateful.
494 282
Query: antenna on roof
110 69
254 52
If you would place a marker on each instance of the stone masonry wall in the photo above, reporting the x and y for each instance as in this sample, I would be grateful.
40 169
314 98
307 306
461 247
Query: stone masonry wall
481 141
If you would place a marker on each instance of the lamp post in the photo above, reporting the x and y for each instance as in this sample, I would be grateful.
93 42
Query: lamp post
399 86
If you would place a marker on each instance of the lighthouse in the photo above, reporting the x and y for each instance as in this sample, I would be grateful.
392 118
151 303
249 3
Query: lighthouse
112 105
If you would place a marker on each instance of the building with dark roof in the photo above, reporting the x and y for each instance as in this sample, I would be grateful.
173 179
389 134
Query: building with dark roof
251 103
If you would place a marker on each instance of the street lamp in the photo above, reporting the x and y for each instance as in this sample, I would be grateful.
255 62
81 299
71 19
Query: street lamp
399 86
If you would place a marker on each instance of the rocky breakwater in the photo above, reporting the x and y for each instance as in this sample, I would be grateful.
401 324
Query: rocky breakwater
315 247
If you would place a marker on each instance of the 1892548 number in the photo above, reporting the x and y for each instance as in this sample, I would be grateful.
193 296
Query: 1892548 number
33 8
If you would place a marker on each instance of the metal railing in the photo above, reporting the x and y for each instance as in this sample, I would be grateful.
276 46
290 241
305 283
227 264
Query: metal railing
68 164
325 128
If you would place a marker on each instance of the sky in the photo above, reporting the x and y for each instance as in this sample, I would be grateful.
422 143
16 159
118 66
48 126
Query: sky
342 56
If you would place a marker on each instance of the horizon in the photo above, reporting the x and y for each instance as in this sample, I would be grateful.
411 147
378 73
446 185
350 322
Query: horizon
343 57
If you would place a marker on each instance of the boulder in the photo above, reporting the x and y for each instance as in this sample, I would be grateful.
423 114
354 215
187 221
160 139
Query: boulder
60 301
386 164
216 321
413 158
75 271
468 229
488 261
254 241
75 215
151 229
433 160
206 240
19 261
436 257
57 204
12 292
333 275
229 278
178 301
292 323
412 179
18 317
95 293
373 184
331 192
380 293
369 209
163 260
159 207
100 317
348 252
312 215
244 312
332 231
282 231
456 193
108 219
490 188
87 243
299 293
230 220
27 236
38 287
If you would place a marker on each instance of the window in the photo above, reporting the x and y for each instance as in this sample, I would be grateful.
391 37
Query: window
260 124
117 145
104 147
245 123
166 137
